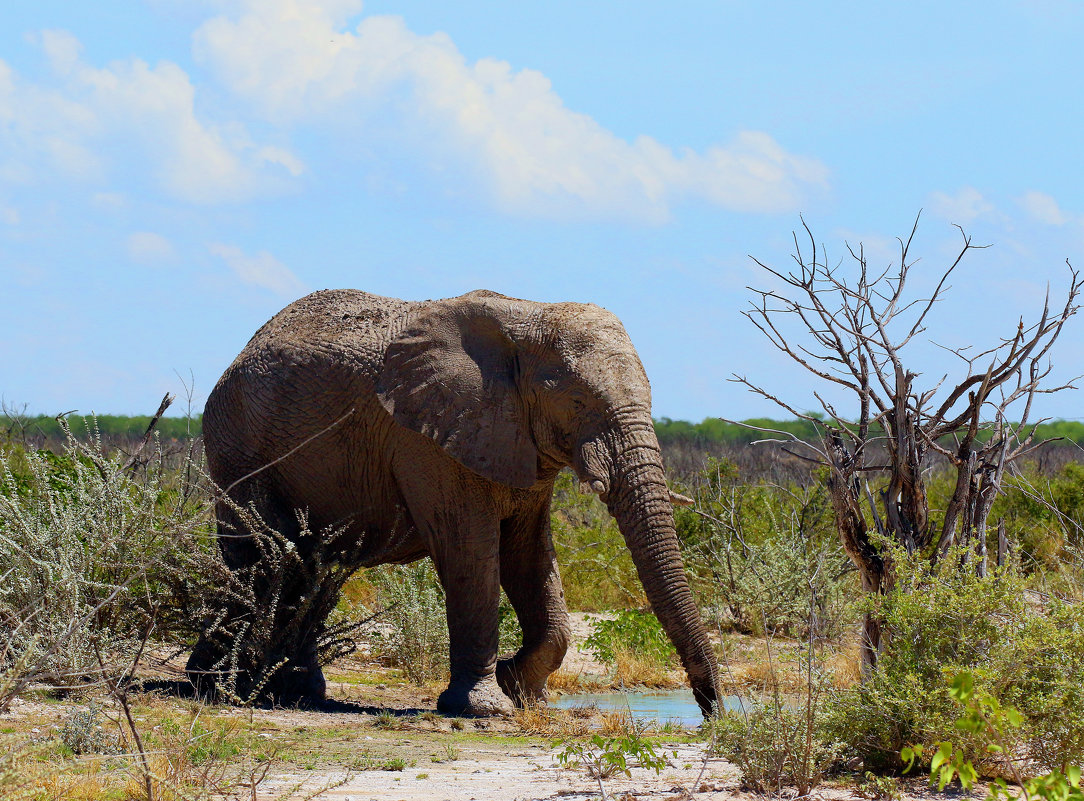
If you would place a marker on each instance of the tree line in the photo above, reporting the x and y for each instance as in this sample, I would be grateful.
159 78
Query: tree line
710 430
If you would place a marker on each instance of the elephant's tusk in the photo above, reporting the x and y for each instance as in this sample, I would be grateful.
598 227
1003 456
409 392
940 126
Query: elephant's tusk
677 499
594 487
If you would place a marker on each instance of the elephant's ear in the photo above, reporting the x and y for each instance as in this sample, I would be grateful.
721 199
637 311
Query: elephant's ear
452 375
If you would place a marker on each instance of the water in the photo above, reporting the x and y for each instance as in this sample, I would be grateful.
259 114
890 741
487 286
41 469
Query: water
675 705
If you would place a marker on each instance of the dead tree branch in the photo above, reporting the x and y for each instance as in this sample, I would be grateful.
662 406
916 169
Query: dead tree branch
848 326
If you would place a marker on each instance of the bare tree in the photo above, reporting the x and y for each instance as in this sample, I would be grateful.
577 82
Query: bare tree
852 327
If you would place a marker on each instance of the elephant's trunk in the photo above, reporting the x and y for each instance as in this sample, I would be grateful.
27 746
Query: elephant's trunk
640 502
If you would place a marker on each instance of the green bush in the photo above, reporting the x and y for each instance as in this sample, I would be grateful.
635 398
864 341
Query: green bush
82 732
944 619
636 632
777 743
417 638
988 718
596 566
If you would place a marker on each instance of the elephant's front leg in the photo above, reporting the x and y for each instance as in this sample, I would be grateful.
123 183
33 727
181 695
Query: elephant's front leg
467 565
463 537
532 582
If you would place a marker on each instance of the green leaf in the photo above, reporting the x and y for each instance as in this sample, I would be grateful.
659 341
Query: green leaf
946 774
1072 773
943 753
963 687
968 774
908 755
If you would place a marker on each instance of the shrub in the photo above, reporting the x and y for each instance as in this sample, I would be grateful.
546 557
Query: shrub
596 566
90 547
986 717
776 743
416 639
82 732
639 633
944 619
756 550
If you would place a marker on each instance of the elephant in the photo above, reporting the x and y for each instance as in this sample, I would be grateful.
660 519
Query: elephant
437 428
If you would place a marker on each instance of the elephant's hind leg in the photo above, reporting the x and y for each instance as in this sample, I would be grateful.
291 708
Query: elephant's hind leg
290 645
532 582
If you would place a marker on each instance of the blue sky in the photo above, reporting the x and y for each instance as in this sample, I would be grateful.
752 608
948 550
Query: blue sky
174 172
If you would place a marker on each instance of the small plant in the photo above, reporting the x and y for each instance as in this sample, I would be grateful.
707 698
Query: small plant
632 630
457 724
396 763
385 719
775 743
604 757
879 788
82 732
451 752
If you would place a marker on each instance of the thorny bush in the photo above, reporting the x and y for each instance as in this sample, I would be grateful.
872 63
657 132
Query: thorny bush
89 552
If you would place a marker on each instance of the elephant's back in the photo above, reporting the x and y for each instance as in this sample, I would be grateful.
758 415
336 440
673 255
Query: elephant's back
348 320
311 363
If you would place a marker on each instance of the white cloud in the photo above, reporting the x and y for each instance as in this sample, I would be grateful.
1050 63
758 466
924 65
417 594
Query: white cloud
282 157
146 247
1043 208
262 269
965 206
62 49
296 60
42 128
129 105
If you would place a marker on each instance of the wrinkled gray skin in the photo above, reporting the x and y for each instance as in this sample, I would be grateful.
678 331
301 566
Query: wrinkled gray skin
464 411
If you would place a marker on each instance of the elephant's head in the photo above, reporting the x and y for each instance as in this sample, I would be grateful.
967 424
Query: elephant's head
510 387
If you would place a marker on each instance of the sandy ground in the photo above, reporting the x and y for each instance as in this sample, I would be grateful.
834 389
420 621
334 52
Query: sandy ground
525 773
346 744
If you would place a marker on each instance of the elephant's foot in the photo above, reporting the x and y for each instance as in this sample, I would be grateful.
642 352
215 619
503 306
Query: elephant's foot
517 683
211 681
482 699
201 671
300 686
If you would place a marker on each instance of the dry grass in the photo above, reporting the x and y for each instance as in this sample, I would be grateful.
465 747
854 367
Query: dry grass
634 670
563 681
845 665
584 711
191 755
48 782
540 721
616 724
